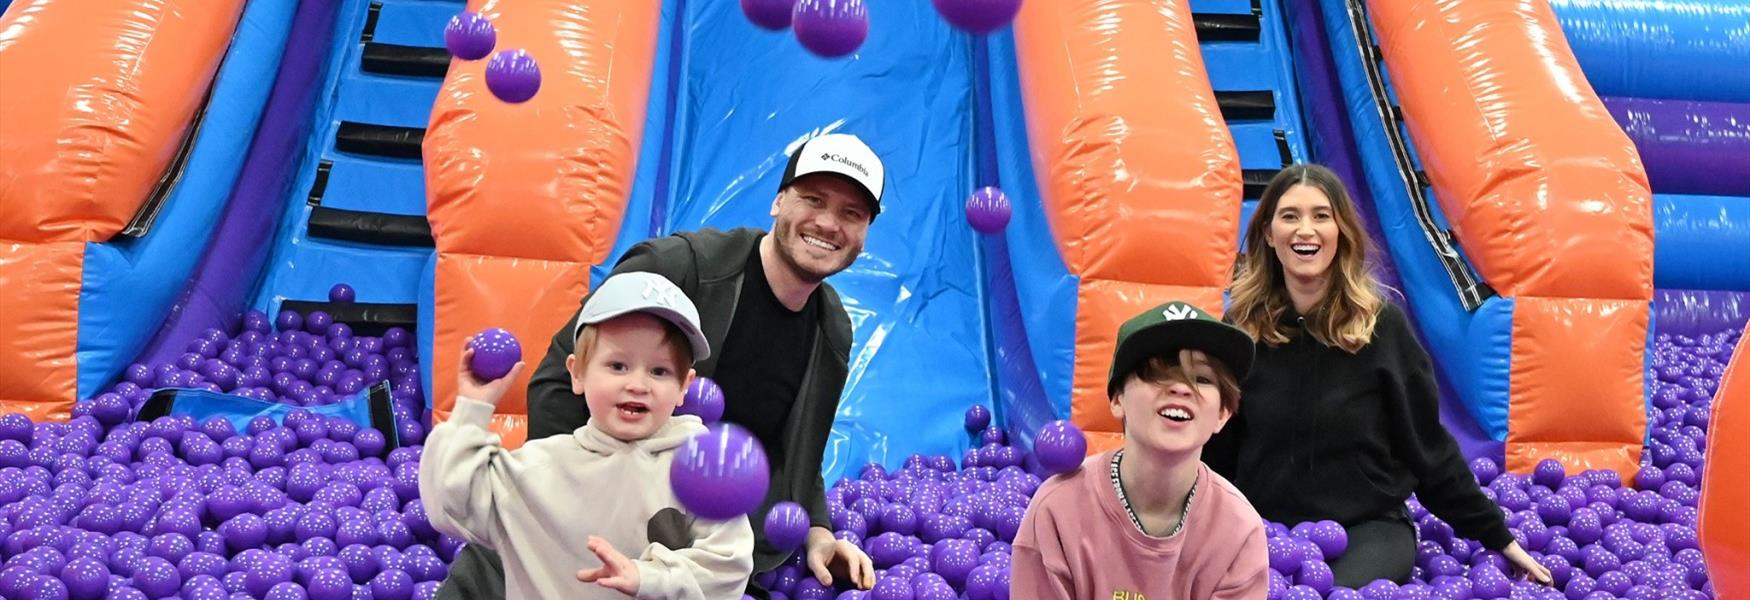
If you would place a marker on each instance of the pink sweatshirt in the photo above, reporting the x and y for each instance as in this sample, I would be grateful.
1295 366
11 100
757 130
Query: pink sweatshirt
1076 542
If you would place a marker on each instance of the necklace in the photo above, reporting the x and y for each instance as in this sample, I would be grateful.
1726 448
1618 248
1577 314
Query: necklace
1118 457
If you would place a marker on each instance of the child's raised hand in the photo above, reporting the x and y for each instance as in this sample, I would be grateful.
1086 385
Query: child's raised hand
470 385
616 573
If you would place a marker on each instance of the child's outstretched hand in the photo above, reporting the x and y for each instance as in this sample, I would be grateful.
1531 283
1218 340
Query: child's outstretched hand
616 573
472 386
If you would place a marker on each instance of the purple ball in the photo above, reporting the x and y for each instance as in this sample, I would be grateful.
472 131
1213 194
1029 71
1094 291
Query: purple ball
111 409
257 321
1285 555
170 546
977 418
1549 473
244 531
85 578
773 15
954 560
328 582
397 337
1554 510
1316 575
978 16
1380 589
201 563
888 549
342 293
1330 537
157 577
271 570
786 526
1060 447
830 28
513 76
139 374
722 473
892 588
392 584
495 351
704 399
469 36
1649 478
987 210
289 320
369 442
900 519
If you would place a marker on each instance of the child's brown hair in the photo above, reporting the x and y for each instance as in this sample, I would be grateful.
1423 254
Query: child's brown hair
678 346
1157 370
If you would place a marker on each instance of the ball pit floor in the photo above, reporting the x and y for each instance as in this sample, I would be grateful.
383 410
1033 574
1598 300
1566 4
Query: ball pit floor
104 507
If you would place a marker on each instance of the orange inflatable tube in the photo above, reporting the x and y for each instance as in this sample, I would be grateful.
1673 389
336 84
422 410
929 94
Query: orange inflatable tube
1724 524
100 95
1550 203
523 198
1139 174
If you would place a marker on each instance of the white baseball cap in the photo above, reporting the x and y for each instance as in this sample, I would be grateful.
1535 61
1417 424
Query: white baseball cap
841 154
647 293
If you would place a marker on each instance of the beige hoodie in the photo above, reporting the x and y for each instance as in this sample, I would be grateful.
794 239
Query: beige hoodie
539 504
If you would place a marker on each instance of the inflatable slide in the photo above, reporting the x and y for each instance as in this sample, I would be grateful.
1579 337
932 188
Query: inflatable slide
87 171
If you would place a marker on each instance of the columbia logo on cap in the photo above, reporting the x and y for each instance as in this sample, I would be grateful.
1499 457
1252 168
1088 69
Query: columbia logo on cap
840 154
841 159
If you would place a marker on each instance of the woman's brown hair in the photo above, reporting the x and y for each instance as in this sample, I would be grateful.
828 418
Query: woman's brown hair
1347 313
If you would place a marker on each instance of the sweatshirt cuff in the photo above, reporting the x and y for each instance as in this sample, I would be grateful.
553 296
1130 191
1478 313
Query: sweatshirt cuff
469 411
652 581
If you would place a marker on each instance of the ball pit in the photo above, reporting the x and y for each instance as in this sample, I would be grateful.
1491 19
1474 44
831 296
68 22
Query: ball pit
317 507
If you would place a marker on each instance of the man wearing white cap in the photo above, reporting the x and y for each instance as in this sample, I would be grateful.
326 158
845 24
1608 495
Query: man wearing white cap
783 342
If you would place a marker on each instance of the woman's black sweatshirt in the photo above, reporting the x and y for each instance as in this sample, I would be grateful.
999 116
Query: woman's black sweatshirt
1325 434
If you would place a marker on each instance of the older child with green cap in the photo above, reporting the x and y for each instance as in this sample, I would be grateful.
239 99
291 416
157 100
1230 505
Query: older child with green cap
1150 521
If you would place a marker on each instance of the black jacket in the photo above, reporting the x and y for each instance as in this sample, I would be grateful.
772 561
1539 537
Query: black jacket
708 266
1325 434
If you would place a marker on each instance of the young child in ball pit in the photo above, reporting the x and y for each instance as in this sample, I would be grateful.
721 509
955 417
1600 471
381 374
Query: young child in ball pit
1150 521
550 505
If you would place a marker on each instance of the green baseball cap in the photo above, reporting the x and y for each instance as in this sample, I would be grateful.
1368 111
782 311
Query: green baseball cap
1166 329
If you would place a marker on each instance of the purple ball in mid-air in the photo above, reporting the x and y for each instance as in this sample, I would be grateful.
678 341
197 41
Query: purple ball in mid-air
786 526
495 352
987 210
830 28
978 16
1060 447
977 418
768 14
704 399
513 76
470 36
342 294
721 474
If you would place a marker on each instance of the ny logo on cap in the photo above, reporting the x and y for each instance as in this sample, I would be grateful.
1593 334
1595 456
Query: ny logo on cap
663 295
1178 312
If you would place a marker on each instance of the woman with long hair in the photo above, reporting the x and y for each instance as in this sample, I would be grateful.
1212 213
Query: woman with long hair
1341 419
